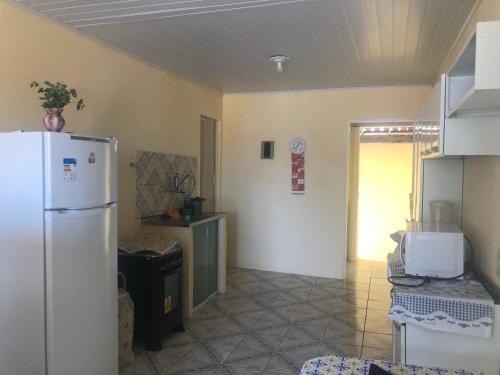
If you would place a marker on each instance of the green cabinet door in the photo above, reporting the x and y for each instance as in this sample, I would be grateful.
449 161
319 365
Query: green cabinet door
212 256
205 260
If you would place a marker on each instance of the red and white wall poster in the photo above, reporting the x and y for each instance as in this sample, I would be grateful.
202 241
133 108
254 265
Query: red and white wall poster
298 173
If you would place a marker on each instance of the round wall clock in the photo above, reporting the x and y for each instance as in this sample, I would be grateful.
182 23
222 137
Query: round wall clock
297 146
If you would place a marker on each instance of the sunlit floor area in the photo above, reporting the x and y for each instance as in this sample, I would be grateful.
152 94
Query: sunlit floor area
271 323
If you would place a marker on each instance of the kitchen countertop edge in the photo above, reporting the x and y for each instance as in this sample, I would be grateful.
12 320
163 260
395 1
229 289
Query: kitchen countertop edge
161 221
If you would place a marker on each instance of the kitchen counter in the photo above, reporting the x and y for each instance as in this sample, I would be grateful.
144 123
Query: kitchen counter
203 242
195 220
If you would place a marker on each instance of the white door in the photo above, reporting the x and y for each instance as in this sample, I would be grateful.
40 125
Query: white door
82 317
208 161
80 171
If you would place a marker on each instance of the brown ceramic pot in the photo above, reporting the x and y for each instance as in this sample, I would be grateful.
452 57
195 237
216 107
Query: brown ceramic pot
53 120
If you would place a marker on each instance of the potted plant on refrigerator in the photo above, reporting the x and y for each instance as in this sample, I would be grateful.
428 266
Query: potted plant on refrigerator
54 97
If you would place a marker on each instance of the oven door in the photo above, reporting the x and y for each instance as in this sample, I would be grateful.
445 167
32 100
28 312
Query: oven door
170 289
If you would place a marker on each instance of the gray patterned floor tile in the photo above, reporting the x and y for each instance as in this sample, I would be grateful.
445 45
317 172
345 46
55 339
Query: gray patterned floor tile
300 293
374 353
225 327
318 293
141 366
221 370
237 304
232 291
288 312
241 277
377 341
353 302
279 366
288 282
272 336
328 348
179 338
356 286
311 280
348 323
209 310
311 311
295 337
223 346
378 326
357 278
315 328
169 356
257 363
327 280
345 336
278 298
269 319
268 275
234 370
348 313
248 347
271 323
197 358
297 356
257 287
248 319
203 328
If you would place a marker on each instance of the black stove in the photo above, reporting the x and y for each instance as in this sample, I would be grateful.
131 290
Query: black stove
154 282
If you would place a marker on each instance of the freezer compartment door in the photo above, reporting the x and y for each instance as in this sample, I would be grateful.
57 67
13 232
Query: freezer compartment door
80 171
82 316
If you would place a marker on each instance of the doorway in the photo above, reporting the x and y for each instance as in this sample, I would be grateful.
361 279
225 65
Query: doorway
380 181
208 160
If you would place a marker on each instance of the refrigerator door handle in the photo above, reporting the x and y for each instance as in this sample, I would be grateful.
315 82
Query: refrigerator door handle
62 210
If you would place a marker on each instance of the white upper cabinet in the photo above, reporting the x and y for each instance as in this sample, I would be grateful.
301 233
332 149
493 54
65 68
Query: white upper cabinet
473 83
437 135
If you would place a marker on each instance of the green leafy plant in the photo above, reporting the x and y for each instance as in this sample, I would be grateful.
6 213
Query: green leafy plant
57 95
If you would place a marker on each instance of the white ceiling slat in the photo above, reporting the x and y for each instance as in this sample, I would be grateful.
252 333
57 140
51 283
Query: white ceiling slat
400 22
385 20
416 15
225 44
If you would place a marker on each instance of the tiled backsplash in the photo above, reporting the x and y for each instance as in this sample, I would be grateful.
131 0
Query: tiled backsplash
154 181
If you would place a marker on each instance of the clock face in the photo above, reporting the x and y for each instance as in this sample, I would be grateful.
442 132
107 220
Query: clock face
297 146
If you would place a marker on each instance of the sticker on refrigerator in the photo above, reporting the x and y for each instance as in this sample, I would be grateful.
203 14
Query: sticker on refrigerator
70 174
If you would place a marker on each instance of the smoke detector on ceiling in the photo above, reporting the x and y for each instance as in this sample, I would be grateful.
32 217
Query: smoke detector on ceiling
280 61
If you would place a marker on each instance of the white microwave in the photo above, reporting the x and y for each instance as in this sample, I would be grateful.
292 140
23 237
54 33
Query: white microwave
433 250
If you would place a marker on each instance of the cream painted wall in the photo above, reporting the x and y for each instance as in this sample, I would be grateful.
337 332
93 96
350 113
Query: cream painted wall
481 212
385 177
481 200
145 108
269 228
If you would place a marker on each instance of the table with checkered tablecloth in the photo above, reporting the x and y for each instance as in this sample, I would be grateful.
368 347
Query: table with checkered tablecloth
455 306
341 365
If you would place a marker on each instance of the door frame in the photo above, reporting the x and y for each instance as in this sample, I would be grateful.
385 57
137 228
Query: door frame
218 160
352 210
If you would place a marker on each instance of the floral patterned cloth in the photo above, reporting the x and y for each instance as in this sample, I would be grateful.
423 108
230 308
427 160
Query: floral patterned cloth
340 365
157 243
125 328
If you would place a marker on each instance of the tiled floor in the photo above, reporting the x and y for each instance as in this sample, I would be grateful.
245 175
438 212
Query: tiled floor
270 323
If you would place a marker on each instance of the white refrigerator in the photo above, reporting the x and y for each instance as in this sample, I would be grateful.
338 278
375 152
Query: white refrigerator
58 262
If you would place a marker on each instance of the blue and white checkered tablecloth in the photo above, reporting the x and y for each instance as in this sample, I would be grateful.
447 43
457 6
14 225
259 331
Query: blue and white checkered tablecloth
341 365
457 306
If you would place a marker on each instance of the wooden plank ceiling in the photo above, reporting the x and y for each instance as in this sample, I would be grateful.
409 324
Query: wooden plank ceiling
225 44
